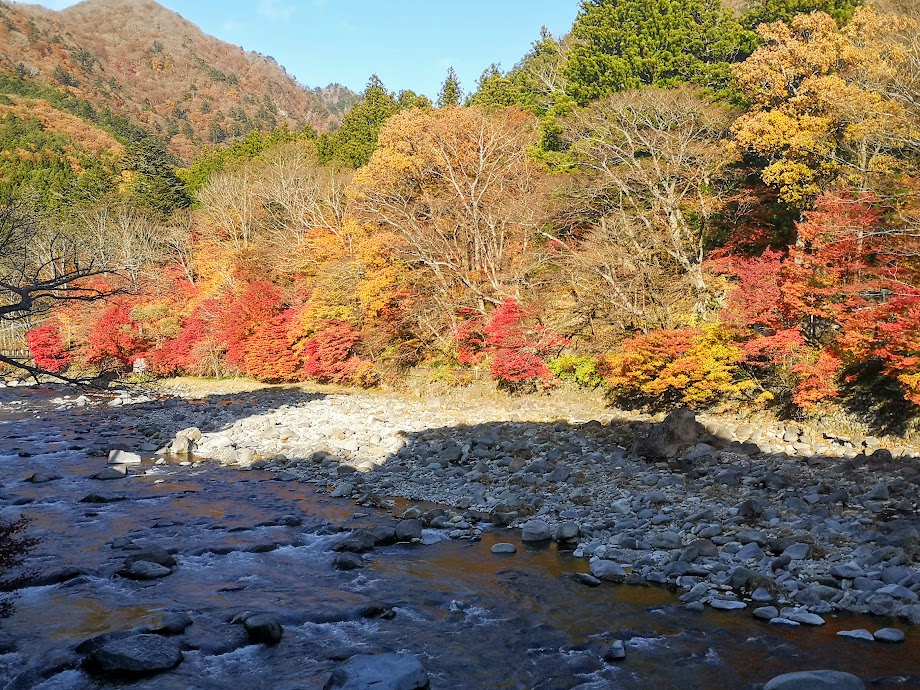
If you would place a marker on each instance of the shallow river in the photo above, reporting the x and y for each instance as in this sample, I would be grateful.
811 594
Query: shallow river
475 619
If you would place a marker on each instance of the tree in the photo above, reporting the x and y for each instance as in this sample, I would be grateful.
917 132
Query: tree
767 11
625 44
815 117
450 93
41 266
659 168
459 190
353 143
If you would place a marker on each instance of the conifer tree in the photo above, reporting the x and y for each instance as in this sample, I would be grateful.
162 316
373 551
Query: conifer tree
451 93
626 44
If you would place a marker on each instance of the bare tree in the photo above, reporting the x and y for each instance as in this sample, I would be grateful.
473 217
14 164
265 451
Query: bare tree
304 198
458 187
41 266
231 206
657 164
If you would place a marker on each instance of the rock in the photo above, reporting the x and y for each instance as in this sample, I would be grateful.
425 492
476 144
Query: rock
848 571
727 604
359 541
535 530
123 457
761 596
766 613
615 652
143 570
39 478
503 547
815 680
113 472
898 591
379 672
587 580
797 551
342 490
879 492
263 628
173 624
667 540
889 635
806 618
860 634
152 554
407 530
750 551
607 570
567 531
137 654
347 561
752 537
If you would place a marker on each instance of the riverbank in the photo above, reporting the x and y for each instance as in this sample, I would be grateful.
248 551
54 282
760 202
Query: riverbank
784 520
219 561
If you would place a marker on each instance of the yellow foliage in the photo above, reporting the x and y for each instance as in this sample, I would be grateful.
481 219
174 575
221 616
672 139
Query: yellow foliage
694 367
818 111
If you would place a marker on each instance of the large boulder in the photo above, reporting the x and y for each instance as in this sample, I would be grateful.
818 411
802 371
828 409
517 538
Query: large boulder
815 680
136 654
678 432
379 672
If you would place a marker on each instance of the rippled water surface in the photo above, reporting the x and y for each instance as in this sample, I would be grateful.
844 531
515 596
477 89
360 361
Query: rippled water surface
477 620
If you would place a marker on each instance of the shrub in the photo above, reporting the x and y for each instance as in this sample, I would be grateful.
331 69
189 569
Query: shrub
329 356
695 367
47 347
584 370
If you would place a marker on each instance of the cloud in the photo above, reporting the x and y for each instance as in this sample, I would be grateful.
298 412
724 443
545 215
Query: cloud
275 9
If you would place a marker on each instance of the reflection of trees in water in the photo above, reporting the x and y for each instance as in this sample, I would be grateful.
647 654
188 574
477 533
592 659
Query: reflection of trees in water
14 547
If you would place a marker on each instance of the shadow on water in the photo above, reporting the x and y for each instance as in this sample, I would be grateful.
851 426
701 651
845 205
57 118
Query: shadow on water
246 541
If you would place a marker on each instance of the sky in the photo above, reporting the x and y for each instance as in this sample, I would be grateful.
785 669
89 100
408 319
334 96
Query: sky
409 44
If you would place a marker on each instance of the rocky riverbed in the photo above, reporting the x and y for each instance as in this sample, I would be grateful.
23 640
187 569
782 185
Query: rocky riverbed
780 520
786 527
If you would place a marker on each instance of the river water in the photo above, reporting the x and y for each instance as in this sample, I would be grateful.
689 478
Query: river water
475 619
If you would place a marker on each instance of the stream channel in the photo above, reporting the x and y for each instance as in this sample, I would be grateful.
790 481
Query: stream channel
475 619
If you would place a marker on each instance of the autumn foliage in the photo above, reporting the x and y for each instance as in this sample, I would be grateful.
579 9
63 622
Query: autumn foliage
656 243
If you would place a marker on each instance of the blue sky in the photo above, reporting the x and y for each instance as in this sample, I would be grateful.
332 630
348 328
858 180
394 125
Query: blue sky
408 43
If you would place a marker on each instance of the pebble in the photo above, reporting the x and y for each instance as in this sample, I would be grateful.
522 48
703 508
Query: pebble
889 635
503 547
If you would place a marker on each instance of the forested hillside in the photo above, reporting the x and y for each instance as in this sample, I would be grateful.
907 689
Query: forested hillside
161 72
710 206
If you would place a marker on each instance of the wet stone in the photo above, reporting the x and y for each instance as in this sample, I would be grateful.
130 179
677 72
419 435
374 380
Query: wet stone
136 654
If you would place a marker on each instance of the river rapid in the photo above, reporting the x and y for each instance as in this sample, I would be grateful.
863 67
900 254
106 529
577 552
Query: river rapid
249 541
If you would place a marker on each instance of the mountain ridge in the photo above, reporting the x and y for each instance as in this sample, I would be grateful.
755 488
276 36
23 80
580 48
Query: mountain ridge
160 70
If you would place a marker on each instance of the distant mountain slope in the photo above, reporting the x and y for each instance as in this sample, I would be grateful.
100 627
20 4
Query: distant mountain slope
146 62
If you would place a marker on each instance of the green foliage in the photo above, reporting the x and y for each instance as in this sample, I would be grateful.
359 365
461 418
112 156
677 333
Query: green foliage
665 368
765 11
49 166
354 142
118 126
450 93
584 370
218 159
155 184
626 44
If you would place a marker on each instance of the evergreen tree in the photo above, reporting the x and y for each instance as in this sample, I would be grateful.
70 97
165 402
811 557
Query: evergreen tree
450 93
766 11
355 141
625 44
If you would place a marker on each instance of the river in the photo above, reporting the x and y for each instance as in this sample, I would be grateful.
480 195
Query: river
475 619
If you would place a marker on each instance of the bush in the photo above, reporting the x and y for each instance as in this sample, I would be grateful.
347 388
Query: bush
695 367
584 370
47 347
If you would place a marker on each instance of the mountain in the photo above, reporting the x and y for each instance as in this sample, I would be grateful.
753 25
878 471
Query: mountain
145 62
